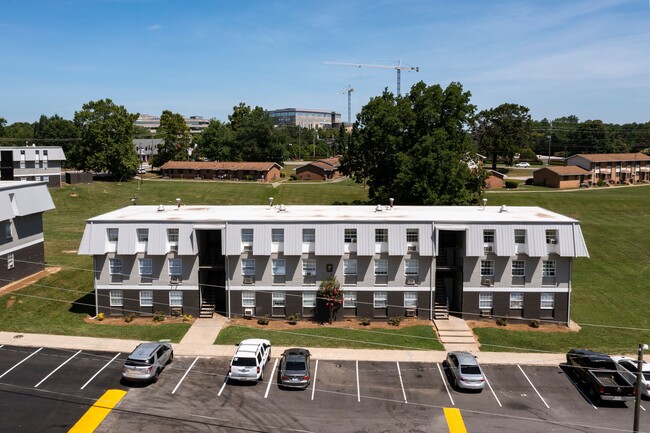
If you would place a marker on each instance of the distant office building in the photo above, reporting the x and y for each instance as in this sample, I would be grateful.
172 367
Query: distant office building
305 118
146 148
39 163
196 123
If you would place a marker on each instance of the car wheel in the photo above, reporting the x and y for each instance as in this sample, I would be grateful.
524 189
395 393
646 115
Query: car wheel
261 376
156 376
171 358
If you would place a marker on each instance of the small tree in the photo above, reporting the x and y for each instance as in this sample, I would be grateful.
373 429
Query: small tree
331 295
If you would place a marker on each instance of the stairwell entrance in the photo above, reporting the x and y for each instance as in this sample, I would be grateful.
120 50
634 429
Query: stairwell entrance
212 272
449 273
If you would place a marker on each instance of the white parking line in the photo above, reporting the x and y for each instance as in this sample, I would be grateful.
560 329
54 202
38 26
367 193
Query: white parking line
225 381
399 373
25 359
531 384
444 382
185 375
56 369
268 387
313 389
493 393
100 370
358 389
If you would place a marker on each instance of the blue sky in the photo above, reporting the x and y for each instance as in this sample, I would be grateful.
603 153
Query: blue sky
557 57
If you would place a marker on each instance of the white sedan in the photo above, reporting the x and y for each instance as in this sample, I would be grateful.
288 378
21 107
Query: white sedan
522 164
628 368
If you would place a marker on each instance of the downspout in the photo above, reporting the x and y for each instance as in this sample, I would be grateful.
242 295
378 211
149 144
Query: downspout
227 263
432 280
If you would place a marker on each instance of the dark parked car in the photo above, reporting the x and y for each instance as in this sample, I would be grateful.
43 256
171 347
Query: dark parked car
600 373
294 368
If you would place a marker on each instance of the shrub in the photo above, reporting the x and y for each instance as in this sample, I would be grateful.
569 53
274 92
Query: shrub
502 321
512 184
263 320
365 321
534 323
129 317
158 316
395 321
187 317
600 182
100 316
293 177
530 181
293 319
283 175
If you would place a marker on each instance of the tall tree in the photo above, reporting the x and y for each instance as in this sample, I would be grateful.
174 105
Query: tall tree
56 131
254 135
413 148
21 131
176 139
3 122
216 142
106 139
502 131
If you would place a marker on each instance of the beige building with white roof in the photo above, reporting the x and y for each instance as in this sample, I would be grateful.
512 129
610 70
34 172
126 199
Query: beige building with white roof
419 261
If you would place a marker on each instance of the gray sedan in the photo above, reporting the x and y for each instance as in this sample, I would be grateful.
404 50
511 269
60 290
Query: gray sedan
465 371
294 368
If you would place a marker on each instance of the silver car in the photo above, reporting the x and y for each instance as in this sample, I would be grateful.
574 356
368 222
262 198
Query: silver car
294 368
147 361
628 368
250 359
465 371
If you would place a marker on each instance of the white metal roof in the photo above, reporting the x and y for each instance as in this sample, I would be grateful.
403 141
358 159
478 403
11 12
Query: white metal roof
28 198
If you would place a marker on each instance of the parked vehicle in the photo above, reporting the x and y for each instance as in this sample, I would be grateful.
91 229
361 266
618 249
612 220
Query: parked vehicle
601 375
522 164
147 361
295 368
628 368
466 372
249 360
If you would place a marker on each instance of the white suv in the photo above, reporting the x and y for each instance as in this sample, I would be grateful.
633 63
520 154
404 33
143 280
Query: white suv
250 359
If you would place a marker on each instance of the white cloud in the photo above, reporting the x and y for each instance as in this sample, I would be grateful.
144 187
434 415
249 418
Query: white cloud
154 27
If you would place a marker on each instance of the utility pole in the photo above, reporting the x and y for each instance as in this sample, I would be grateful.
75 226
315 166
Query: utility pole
550 134
398 68
639 378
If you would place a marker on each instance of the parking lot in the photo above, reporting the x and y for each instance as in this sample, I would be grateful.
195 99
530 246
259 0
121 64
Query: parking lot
348 396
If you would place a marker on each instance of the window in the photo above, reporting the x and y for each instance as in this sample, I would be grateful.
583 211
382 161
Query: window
381 235
518 268
349 299
309 267
146 298
115 266
308 299
277 235
411 267
278 266
143 235
46 178
8 230
380 299
175 298
520 236
516 301
349 266
247 235
487 268
548 268
172 236
248 267
547 301
145 266
551 236
410 300
412 235
175 267
309 235
278 299
45 163
116 298
488 236
381 266
11 262
248 299
350 236
485 301
112 234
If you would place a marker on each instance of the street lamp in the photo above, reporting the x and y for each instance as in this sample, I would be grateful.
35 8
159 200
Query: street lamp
639 378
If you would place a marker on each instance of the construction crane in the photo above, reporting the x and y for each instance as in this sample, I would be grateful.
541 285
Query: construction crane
349 91
399 68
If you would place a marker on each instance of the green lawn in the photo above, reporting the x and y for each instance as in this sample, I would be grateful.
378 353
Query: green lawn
404 338
610 298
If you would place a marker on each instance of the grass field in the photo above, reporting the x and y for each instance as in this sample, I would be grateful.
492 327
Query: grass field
610 298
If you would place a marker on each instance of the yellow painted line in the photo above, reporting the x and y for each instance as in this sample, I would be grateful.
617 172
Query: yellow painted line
98 411
454 420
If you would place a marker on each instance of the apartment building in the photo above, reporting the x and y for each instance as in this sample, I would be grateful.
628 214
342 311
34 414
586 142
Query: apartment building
305 117
390 260
22 250
613 167
37 163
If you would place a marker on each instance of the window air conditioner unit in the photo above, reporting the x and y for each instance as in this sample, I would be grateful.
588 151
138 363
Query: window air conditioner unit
309 274
552 241
486 313
487 248
173 248
248 312
487 282
175 279
411 248
411 281
410 312
248 248
249 280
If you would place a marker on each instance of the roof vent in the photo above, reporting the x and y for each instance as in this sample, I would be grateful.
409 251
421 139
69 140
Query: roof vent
378 208
270 201
503 209
178 203
392 202
484 201
161 208
282 208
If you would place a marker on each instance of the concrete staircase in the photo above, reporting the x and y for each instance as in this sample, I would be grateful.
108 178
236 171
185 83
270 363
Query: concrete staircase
455 335
440 307
207 307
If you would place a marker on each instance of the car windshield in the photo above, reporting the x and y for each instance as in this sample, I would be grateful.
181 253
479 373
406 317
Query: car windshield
243 362
295 365
470 369
646 376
